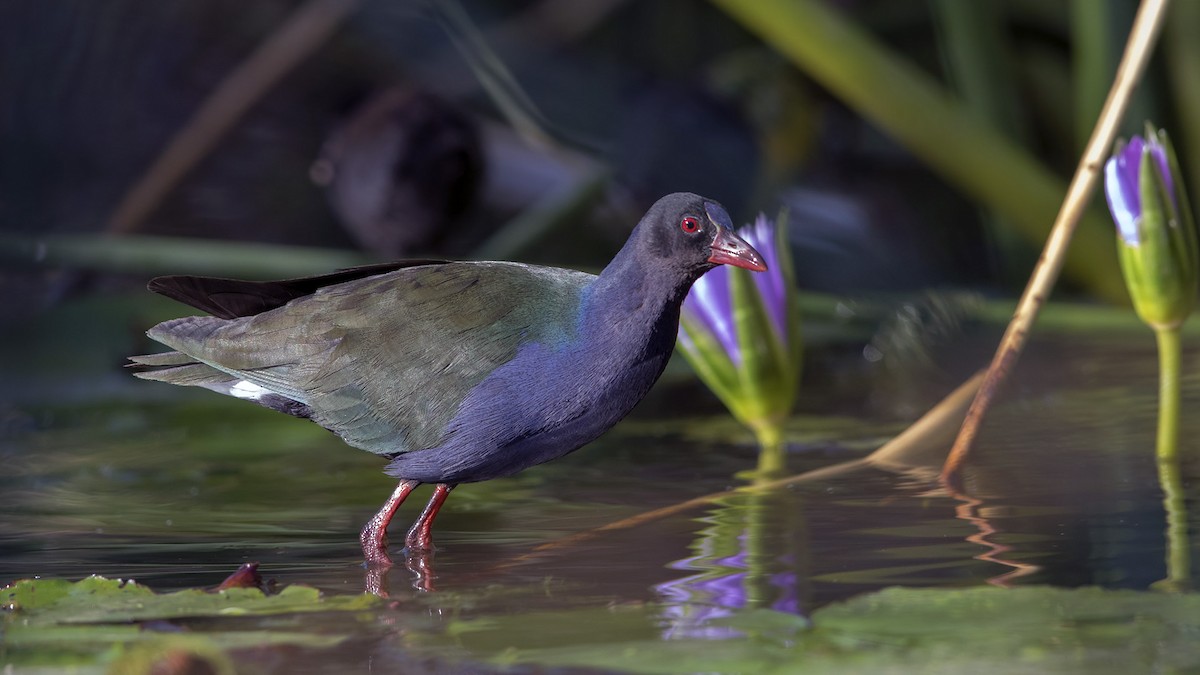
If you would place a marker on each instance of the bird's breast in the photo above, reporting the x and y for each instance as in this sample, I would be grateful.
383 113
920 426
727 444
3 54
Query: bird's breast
545 403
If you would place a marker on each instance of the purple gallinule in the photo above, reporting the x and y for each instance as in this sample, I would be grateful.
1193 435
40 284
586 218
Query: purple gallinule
455 371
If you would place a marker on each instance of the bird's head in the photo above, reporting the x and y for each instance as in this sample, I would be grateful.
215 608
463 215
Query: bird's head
695 234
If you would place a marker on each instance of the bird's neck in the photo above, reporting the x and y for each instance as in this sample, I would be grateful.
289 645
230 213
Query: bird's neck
635 300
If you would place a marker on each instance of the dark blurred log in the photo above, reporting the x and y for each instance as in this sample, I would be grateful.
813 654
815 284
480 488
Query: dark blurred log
400 169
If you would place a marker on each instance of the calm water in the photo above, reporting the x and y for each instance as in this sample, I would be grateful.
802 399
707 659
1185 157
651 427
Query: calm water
178 492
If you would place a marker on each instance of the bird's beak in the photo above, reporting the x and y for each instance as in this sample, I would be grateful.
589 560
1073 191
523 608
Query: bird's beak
730 249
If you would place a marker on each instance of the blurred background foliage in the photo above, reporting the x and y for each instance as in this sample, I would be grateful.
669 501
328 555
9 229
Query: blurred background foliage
916 144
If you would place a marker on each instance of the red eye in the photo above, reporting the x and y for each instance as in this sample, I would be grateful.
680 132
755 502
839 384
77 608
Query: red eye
689 225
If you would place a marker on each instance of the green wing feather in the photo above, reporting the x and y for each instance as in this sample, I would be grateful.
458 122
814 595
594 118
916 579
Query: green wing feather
385 361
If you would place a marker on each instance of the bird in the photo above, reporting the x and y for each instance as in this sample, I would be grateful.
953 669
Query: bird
454 371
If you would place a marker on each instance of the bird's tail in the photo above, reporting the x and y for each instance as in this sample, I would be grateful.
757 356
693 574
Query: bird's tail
181 369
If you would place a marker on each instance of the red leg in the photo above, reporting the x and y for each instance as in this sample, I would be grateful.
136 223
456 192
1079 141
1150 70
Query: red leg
418 537
374 533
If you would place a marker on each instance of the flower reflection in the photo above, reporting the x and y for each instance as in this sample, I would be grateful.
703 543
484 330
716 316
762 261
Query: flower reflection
725 585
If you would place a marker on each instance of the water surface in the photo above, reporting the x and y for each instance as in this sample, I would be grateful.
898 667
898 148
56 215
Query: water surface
177 491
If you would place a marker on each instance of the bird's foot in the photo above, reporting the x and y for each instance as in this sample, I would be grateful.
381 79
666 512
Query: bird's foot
374 547
418 541
377 558
377 563
374 534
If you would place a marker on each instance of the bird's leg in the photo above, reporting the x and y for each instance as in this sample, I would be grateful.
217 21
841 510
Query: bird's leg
418 537
374 533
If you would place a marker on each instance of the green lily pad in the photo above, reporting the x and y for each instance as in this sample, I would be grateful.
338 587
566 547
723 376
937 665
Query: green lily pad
104 622
899 630
99 600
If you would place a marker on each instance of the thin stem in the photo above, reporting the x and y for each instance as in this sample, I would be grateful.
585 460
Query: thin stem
772 459
1142 37
1170 349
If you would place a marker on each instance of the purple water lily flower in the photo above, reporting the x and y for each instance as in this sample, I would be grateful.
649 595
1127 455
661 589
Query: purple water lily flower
710 303
1121 183
741 335
1159 254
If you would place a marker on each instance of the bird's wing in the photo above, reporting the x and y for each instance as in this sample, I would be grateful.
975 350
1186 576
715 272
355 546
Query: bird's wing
233 298
385 361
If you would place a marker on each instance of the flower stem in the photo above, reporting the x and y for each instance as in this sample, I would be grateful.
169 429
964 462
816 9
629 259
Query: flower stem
772 460
1170 350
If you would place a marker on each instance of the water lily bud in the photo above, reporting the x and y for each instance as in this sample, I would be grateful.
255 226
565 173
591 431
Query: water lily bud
1157 243
740 331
